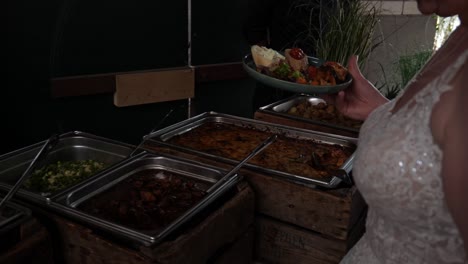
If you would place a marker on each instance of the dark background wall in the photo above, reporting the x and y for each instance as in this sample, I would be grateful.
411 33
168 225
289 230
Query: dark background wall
75 37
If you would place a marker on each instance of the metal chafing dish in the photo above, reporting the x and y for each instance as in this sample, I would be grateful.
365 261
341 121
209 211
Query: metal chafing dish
162 136
281 108
113 186
71 146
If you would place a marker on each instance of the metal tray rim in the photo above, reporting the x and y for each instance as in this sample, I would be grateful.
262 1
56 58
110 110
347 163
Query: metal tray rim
40 199
269 109
148 238
123 165
331 182
260 122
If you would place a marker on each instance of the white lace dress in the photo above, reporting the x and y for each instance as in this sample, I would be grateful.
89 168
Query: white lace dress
398 171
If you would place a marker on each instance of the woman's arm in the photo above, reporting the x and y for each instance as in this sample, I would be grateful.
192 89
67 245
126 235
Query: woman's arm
455 161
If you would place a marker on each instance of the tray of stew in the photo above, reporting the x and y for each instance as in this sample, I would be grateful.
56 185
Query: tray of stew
76 158
310 109
229 138
145 199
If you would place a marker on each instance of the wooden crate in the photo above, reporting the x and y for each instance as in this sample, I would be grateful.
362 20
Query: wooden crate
280 242
34 243
226 231
330 212
241 251
267 117
320 233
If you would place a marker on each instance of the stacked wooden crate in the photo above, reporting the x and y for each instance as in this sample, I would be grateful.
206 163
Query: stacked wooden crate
30 242
299 224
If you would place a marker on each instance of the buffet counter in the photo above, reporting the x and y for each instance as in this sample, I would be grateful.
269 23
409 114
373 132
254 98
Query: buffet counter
172 200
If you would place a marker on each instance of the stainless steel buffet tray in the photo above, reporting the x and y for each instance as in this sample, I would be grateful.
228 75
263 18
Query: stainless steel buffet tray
72 146
162 136
282 107
108 186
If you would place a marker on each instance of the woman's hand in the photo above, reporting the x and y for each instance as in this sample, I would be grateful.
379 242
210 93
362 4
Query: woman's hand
360 98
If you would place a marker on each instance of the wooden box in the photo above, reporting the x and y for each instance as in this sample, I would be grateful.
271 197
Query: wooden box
33 243
319 233
330 212
224 236
281 242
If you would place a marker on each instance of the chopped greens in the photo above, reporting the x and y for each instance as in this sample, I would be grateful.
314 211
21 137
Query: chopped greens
297 74
283 70
62 174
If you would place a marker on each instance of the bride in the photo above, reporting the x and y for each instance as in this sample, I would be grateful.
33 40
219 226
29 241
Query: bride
412 160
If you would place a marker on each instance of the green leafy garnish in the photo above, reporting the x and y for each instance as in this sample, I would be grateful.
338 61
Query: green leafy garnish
282 71
62 174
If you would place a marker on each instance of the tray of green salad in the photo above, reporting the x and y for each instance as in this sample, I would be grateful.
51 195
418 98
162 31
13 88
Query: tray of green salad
78 157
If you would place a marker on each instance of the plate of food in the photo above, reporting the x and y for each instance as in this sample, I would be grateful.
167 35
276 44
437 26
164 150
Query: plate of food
294 71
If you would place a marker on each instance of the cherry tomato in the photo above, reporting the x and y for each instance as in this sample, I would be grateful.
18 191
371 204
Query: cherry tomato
312 71
297 53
